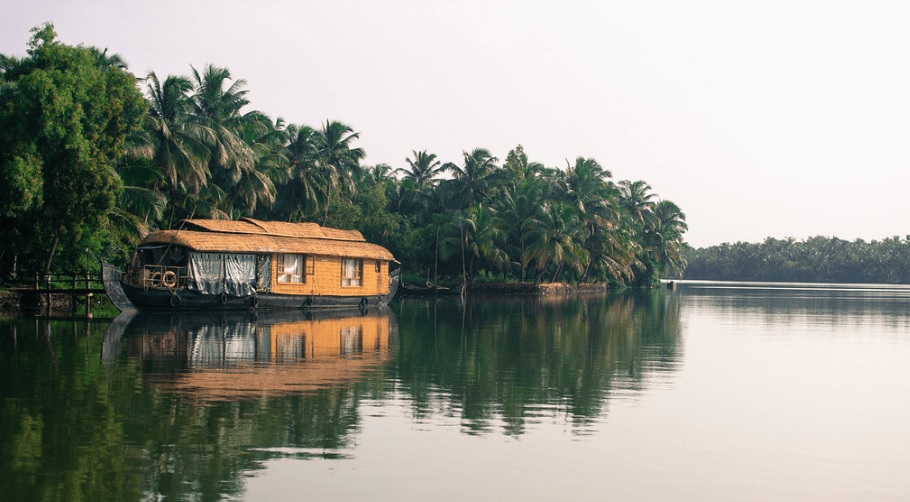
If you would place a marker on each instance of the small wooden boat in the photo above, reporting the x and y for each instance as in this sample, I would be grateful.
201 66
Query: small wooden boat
409 289
253 264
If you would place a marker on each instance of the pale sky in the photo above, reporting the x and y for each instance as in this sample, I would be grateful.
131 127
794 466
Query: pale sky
758 118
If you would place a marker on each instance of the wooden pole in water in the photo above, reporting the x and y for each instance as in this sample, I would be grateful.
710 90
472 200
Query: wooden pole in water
88 296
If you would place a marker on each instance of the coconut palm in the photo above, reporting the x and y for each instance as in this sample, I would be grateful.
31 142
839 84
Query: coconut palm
476 180
585 183
337 161
416 191
175 142
634 196
557 240
137 205
518 212
668 235
422 169
483 239
299 194
256 187
105 60
216 109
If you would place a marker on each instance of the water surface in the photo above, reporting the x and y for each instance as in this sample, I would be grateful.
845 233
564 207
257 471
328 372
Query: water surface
722 391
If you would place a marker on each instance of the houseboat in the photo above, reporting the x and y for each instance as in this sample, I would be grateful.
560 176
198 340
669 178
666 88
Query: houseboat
222 264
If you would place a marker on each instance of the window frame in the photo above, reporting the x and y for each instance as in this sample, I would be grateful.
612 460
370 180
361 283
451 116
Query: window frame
355 281
289 278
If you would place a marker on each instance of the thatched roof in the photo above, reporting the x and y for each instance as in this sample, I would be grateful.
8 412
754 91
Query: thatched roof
277 228
253 236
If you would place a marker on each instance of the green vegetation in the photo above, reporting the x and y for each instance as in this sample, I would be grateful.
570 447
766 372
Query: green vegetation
89 166
817 259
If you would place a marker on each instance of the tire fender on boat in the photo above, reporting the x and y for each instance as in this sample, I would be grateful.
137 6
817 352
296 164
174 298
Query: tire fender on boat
175 301
254 301
363 302
224 298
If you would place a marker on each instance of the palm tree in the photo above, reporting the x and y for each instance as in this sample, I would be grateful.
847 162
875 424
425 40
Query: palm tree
482 239
137 204
299 194
518 212
556 240
423 170
476 179
216 110
416 191
670 227
106 61
634 196
256 187
336 160
175 142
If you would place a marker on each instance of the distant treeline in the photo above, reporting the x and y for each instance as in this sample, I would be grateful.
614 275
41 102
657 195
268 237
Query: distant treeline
92 158
817 259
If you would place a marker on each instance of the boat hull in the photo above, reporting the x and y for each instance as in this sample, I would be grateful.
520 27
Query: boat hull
156 299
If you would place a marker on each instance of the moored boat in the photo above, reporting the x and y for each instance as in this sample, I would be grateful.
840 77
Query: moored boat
432 290
249 263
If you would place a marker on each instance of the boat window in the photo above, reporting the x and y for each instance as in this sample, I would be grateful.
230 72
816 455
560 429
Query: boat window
351 272
290 268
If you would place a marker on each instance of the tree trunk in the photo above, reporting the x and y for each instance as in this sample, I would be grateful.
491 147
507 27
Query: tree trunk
558 270
50 259
328 200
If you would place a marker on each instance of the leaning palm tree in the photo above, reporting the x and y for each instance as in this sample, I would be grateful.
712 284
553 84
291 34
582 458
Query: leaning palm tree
137 205
669 229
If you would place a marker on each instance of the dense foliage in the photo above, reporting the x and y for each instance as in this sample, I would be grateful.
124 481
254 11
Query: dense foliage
201 153
65 113
817 259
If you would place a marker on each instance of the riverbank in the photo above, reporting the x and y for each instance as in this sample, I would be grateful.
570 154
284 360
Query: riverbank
533 288
9 301
12 302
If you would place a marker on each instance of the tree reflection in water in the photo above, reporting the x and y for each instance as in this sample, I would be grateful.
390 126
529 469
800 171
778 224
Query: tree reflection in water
185 407
515 359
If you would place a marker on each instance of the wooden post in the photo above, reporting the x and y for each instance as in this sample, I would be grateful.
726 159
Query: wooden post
73 296
88 297
47 295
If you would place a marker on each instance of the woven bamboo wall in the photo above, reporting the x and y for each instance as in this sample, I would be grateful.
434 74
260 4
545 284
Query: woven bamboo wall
326 279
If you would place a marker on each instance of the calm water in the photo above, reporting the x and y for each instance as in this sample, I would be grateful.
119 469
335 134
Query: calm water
712 391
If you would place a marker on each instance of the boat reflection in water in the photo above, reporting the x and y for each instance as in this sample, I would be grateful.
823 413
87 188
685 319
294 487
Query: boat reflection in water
229 356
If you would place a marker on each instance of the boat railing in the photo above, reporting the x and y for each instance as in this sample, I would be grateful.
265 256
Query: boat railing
159 276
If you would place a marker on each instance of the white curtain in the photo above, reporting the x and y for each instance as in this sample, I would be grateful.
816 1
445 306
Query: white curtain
239 274
207 273
216 273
